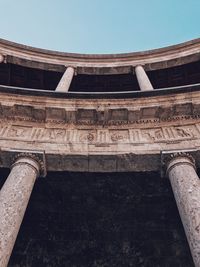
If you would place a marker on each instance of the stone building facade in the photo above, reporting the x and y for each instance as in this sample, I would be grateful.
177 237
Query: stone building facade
99 158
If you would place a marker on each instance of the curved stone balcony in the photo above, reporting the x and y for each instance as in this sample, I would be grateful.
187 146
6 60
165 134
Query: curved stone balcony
100 64
92 130
136 112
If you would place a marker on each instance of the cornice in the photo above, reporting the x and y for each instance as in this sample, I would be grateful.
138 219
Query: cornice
155 109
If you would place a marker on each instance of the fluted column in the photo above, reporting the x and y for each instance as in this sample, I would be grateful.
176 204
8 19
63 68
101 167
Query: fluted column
14 198
142 78
186 187
66 80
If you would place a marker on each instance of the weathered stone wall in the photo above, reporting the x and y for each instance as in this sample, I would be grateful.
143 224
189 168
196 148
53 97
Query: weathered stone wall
101 220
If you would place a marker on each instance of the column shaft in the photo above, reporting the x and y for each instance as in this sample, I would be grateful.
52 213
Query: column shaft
186 187
66 80
14 197
1 58
143 80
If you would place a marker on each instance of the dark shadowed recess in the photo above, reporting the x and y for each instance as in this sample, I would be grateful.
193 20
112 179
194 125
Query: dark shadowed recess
101 220
19 76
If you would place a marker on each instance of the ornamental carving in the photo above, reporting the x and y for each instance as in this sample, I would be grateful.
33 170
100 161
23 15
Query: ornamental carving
131 135
119 136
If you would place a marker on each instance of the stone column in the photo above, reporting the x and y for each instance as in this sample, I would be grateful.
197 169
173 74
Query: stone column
14 197
143 80
1 58
65 81
186 187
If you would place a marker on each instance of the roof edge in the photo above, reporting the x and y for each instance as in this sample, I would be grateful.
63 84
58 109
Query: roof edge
101 63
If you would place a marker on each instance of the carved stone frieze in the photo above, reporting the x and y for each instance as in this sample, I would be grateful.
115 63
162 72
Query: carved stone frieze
129 135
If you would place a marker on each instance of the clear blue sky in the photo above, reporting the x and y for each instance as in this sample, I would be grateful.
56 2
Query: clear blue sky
99 26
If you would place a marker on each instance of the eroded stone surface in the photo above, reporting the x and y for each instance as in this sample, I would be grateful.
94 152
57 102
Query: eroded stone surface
186 187
14 197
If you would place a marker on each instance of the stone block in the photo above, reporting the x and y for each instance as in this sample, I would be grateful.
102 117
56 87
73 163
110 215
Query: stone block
183 109
39 114
118 114
134 115
55 115
86 115
165 112
72 163
149 112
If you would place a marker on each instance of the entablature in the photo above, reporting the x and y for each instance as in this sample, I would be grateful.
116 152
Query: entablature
100 134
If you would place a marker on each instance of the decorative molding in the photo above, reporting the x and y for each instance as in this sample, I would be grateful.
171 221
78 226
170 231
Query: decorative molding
63 135
86 113
102 122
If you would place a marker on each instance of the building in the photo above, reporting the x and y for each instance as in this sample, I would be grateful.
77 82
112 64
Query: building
110 144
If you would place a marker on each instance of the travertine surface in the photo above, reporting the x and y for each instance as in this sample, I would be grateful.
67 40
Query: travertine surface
186 187
14 197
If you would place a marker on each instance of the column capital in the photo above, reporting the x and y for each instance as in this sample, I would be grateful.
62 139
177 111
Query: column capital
29 159
170 159
180 158
36 159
